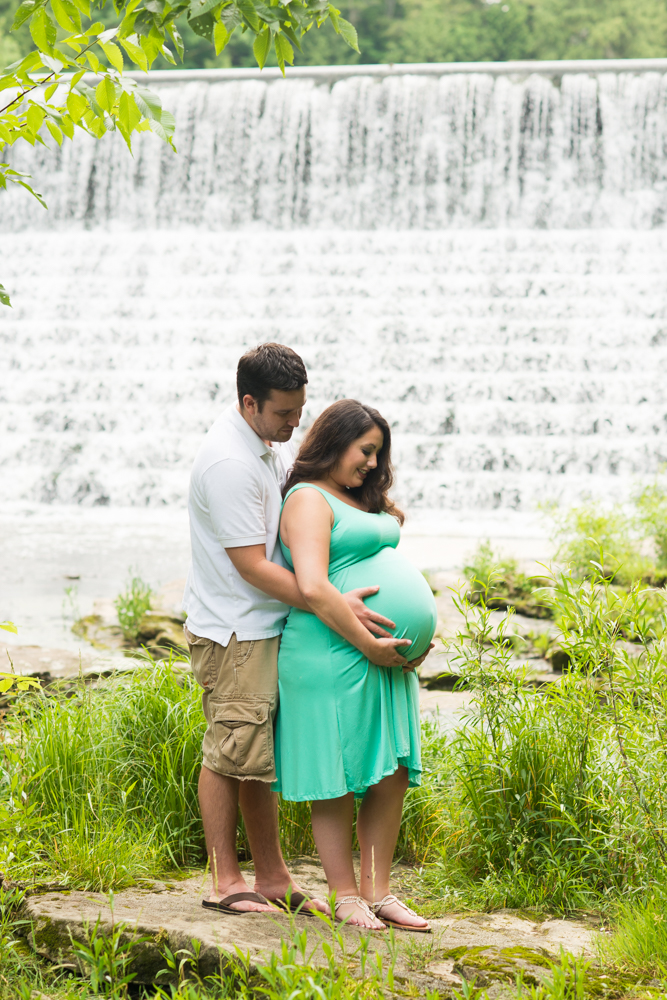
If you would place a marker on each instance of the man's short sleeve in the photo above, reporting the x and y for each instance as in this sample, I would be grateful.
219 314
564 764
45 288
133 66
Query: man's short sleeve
233 494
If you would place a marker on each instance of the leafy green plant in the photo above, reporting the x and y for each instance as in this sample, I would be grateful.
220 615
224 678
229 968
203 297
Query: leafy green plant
563 786
132 605
106 958
500 584
582 533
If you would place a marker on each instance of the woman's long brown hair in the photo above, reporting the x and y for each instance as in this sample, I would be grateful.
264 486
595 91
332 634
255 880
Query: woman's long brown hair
330 436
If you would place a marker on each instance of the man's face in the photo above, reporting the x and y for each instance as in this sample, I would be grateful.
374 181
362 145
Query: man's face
280 414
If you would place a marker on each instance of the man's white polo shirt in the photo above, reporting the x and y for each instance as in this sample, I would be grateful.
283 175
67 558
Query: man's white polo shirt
235 500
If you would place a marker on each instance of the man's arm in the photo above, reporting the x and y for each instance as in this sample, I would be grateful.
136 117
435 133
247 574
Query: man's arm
251 563
277 581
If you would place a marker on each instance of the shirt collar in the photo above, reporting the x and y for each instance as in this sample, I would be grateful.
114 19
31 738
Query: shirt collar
252 439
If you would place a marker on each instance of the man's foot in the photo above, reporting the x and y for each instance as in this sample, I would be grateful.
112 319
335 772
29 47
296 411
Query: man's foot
355 911
278 896
243 905
399 915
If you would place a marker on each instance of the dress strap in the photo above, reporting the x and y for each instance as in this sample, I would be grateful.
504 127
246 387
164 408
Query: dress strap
327 496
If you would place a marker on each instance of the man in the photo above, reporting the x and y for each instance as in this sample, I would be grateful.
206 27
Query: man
237 597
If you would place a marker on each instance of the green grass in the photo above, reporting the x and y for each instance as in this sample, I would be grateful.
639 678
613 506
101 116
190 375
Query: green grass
638 942
552 799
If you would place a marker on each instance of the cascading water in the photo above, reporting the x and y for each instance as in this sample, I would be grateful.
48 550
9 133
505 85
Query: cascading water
479 256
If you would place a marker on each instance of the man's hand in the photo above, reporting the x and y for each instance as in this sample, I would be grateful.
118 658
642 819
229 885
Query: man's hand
369 619
387 652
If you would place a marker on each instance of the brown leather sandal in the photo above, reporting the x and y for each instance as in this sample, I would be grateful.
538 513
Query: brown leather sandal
224 905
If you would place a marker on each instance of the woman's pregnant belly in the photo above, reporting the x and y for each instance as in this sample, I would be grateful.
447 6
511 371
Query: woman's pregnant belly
404 596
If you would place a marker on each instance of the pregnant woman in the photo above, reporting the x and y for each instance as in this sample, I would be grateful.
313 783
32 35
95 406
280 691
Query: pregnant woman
348 723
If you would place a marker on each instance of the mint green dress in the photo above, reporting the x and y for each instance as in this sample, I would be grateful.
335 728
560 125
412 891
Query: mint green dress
343 723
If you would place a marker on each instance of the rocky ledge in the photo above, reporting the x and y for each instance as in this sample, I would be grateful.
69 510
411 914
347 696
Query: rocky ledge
486 949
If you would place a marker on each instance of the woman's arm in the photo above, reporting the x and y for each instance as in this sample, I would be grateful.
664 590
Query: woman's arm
305 527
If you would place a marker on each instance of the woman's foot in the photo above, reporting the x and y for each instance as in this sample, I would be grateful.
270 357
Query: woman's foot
398 914
356 911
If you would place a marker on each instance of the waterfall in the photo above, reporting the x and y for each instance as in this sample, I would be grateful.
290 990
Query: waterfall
481 256
406 152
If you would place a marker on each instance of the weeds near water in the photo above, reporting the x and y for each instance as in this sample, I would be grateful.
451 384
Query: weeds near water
132 605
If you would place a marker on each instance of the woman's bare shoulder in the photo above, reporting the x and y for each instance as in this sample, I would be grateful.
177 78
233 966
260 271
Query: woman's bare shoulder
307 499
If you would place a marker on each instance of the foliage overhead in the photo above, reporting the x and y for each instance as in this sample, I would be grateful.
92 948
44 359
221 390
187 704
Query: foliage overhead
74 75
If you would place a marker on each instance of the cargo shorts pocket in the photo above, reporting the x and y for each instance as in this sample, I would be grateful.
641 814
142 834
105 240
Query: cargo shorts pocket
243 733
202 659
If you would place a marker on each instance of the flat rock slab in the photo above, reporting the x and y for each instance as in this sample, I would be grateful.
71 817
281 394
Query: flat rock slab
478 947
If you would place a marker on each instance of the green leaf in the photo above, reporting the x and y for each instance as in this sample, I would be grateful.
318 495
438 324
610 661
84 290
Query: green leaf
164 126
177 40
105 94
55 131
148 103
7 626
168 55
199 7
26 10
50 91
230 17
129 114
203 25
34 118
93 61
262 46
77 106
136 54
55 65
348 32
284 51
67 126
66 14
34 193
43 30
113 54
4 299
220 37
291 34
247 8
83 6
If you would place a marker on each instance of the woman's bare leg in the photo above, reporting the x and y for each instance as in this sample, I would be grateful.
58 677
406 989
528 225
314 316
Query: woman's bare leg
332 821
378 825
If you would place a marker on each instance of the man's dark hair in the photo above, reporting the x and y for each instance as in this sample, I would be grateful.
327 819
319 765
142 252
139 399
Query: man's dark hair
267 367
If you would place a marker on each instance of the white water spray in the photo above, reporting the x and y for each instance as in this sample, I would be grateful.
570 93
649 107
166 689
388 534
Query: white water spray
472 254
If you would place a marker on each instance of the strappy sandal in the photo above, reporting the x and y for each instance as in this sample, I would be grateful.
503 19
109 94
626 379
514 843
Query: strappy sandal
387 901
363 906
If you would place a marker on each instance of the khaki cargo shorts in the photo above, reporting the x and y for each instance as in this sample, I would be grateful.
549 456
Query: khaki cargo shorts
240 701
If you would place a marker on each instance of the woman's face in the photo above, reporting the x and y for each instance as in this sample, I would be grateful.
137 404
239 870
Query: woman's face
358 460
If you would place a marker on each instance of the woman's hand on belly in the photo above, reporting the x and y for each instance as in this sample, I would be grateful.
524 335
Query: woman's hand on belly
412 664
